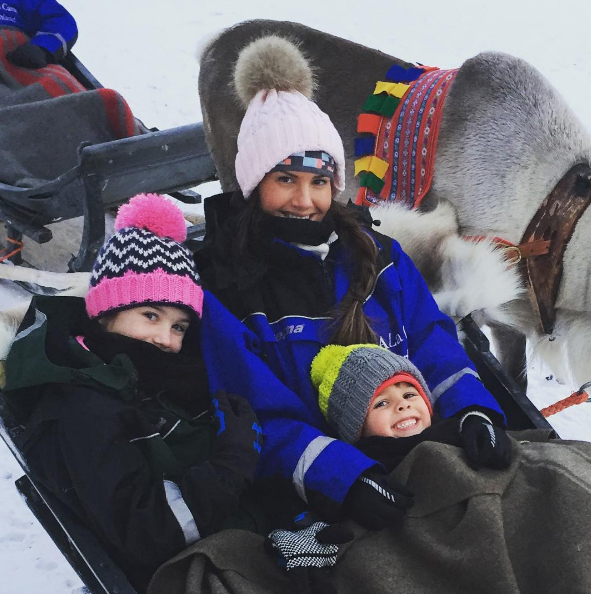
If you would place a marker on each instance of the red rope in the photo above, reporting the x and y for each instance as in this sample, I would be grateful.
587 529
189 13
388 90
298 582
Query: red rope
577 397
19 246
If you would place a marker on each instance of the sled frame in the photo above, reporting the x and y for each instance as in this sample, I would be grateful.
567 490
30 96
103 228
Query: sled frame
163 161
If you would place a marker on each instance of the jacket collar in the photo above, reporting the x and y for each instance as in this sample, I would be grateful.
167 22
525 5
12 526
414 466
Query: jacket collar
45 350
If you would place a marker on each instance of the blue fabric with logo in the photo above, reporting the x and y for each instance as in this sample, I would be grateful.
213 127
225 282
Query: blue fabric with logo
46 22
408 322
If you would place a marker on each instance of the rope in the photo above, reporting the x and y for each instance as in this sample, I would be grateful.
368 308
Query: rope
577 397
19 246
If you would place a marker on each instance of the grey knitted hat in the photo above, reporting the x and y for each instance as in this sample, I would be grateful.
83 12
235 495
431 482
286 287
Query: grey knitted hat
347 378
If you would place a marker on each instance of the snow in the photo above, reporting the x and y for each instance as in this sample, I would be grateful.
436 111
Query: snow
146 50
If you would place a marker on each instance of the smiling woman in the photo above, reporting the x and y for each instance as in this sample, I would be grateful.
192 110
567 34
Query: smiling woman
296 194
303 271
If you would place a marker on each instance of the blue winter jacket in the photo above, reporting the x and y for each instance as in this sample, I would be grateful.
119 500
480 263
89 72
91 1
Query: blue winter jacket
285 330
46 22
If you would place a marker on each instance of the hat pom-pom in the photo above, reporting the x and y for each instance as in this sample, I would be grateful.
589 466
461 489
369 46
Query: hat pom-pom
153 213
325 358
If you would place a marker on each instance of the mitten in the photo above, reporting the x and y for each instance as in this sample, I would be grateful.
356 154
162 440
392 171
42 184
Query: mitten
309 553
484 443
29 55
376 502
239 436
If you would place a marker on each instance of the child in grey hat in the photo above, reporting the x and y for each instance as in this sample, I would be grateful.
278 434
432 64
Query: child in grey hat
370 395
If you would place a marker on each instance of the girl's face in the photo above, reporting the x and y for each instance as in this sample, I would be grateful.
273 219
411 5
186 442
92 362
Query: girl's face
163 326
397 411
295 194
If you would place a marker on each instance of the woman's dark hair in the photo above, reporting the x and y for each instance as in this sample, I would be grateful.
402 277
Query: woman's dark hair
349 323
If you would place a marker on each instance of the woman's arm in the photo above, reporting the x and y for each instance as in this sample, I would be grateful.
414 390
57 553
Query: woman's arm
56 29
321 469
434 347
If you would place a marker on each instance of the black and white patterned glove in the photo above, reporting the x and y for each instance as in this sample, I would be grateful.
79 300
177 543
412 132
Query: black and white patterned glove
376 502
308 554
485 444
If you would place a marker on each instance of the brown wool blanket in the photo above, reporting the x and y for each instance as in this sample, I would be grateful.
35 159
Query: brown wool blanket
45 115
526 530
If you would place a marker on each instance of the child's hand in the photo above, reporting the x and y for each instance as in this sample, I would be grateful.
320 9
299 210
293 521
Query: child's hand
29 55
239 437
309 553
484 444
375 502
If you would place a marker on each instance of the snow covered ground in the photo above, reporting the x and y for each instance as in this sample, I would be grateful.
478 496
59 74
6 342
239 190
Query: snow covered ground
146 50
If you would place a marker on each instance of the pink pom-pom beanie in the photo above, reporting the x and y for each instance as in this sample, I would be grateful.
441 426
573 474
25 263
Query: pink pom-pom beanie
144 261
278 124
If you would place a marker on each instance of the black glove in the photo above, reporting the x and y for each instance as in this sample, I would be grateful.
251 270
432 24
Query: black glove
484 444
29 55
376 502
308 554
239 437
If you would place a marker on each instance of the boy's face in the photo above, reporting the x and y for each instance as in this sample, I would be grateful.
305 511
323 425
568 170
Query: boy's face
397 411
163 326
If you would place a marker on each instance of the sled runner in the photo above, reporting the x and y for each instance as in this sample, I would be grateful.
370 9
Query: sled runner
107 174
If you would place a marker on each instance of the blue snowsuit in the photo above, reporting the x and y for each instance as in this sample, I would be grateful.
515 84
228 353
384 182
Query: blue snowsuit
46 22
287 312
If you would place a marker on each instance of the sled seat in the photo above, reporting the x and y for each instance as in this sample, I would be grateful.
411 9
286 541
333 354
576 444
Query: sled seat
108 174
87 555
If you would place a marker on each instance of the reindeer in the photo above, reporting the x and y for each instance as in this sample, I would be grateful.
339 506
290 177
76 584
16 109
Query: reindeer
507 139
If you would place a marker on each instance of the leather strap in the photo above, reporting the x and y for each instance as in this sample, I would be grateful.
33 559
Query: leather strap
547 236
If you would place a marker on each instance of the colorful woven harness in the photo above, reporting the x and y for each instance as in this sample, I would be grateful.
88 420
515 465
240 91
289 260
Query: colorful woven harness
400 127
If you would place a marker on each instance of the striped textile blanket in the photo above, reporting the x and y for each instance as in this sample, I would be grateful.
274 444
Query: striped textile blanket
46 114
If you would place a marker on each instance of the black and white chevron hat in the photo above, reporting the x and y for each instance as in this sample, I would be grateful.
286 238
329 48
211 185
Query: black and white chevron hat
144 261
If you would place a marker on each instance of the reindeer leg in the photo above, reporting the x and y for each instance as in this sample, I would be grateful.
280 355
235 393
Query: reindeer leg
509 346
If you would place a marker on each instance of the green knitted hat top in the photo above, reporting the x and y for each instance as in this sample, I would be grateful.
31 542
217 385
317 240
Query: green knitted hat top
347 378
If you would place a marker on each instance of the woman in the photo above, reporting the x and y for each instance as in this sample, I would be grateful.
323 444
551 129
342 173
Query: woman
120 423
301 271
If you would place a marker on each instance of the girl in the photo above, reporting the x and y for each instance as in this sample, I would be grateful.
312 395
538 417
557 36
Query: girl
301 271
123 429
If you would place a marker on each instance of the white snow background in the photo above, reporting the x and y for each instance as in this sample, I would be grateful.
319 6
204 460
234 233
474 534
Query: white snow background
145 49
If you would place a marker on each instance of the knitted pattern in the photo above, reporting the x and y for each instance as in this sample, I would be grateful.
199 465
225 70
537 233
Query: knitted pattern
278 124
142 263
400 128
302 549
348 377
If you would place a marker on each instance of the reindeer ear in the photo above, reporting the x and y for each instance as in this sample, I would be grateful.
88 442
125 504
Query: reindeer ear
272 62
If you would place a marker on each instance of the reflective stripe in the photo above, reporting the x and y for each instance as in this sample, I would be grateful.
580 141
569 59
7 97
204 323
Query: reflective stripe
285 317
144 437
474 413
60 38
172 429
40 319
375 283
452 381
181 512
314 449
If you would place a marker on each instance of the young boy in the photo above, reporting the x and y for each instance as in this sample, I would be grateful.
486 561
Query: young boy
370 395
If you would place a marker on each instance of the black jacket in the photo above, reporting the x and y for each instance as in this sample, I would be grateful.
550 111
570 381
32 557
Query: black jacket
131 464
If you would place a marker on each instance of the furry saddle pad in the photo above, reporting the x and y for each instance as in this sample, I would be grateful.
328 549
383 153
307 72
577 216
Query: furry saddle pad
399 128
53 113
